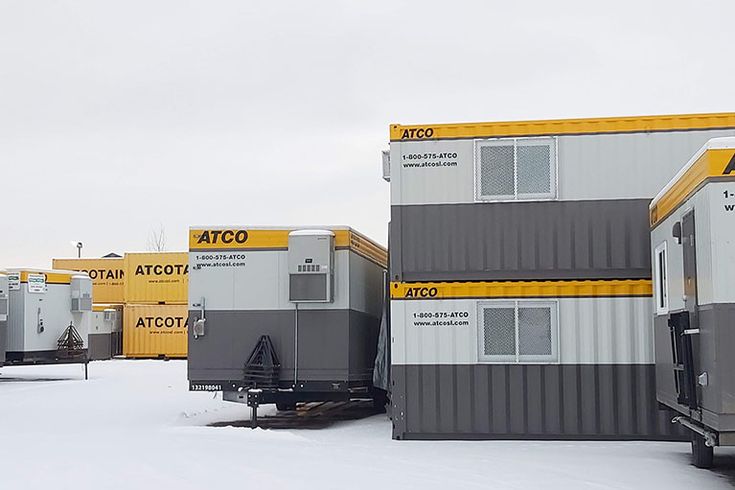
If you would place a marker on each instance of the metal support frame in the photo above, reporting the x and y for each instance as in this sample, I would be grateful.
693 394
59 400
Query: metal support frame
710 438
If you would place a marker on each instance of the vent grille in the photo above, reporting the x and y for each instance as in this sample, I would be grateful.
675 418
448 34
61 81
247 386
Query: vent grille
81 304
534 331
499 332
534 169
496 171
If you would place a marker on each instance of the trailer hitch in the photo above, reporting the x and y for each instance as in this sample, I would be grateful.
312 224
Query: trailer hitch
710 438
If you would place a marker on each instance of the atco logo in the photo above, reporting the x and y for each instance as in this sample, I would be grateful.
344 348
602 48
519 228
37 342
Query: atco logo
730 167
223 236
418 292
161 269
417 133
161 322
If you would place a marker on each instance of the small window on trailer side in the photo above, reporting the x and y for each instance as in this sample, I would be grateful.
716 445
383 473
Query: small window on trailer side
515 169
518 331
661 279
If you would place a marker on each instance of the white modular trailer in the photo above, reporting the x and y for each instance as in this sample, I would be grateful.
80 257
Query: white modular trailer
693 255
43 305
3 316
105 332
316 293
521 275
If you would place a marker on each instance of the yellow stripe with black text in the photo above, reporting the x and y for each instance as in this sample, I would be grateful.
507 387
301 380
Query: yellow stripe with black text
260 239
521 289
550 127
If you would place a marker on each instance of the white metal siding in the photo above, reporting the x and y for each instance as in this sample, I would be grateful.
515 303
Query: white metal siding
604 166
715 239
722 244
367 289
591 331
616 166
55 304
262 283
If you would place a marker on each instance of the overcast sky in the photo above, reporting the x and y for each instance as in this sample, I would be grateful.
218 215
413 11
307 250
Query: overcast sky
119 117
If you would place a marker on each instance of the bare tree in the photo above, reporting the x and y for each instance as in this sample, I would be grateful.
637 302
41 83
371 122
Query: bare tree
157 239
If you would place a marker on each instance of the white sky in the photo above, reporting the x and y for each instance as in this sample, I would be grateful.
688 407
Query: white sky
117 117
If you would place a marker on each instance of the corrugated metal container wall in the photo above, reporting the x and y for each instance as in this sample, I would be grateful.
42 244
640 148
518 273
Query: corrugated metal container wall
521 240
155 331
107 276
156 278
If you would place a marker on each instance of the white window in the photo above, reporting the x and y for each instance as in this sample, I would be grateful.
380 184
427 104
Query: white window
518 331
516 169
661 279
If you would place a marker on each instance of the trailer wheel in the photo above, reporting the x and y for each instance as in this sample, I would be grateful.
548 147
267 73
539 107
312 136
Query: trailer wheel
702 455
380 399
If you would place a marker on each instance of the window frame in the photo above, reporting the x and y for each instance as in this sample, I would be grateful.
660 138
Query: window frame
534 141
518 358
661 278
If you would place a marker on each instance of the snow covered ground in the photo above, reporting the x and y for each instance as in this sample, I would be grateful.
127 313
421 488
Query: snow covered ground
134 425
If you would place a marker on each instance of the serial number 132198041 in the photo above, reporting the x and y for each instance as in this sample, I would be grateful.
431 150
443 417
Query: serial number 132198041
205 387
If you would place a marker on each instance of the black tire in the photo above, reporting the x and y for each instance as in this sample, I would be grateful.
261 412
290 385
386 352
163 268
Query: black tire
285 407
702 455
380 399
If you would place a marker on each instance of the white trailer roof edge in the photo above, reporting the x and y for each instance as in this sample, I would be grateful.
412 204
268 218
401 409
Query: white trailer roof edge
724 143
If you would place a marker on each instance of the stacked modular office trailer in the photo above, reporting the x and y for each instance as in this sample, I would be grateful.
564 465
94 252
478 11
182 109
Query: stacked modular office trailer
108 276
155 293
693 255
306 302
521 278
3 316
49 316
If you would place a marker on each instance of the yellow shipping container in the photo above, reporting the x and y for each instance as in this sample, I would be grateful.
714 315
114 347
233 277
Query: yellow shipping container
157 278
107 276
155 330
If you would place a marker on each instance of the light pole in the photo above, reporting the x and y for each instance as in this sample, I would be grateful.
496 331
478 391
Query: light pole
79 246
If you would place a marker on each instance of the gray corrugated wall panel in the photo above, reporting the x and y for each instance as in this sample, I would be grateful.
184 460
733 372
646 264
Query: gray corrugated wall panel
521 240
334 345
537 401
517 391
499 398
552 399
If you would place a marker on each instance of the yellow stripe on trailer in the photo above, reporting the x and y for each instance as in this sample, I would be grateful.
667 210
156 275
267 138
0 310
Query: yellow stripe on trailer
365 247
522 289
712 164
271 239
51 277
549 127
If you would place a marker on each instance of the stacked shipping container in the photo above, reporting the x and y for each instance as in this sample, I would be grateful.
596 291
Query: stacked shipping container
156 296
521 282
